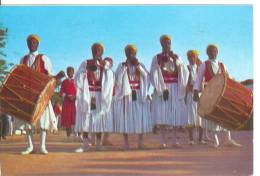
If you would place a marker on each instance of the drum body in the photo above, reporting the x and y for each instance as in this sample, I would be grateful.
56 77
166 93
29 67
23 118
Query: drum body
226 102
25 93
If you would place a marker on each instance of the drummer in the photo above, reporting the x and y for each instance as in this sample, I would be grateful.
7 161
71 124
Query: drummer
40 63
206 72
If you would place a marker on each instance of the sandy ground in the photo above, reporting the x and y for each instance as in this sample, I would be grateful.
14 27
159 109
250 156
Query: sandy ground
112 160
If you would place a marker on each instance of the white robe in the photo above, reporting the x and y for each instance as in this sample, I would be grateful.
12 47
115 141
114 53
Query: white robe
198 84
172 112
100 119
131 117
47 120
193 118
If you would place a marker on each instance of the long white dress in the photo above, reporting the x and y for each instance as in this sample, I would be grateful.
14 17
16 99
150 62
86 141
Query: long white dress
172 112
193 118
99 119
131 117
47 120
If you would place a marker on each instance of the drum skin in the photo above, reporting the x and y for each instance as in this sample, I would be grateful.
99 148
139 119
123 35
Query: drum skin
226 102
25 93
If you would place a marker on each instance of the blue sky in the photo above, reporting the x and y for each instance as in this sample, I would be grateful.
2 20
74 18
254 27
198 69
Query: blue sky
67 32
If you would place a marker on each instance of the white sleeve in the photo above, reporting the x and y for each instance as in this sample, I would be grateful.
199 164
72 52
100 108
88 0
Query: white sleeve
183 77
226 71
81 69
107 90
123 87
47 64
199 78
156 77
144 80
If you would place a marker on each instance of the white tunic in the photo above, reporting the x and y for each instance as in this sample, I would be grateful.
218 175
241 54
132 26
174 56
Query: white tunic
193 117
100 119
132 117
207 124
172 112
48 120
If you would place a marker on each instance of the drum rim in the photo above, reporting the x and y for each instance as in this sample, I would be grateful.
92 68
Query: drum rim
221 95
252 110
10 72
51 81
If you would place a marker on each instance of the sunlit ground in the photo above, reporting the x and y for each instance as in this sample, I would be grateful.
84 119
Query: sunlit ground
113 160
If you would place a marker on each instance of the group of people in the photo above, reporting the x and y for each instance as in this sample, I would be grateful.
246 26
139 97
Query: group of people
98 101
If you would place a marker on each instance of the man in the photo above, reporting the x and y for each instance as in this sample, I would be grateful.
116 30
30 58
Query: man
94 82
194 121
68 94
132 115
40 63
206 72
169 76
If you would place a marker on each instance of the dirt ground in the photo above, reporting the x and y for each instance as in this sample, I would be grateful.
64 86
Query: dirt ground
112 160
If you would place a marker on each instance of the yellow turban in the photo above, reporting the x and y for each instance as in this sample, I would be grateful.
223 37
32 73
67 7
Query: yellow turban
211 46
33 36
130 47
164 38
95 45
193 52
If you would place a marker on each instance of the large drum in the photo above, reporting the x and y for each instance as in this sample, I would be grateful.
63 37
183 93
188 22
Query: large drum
226 102
25 93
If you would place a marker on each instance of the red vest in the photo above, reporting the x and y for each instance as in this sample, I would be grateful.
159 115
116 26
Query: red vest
168 77
209 74
38 63
94 83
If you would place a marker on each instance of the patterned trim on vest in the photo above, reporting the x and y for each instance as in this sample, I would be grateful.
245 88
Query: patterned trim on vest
168 77
93 82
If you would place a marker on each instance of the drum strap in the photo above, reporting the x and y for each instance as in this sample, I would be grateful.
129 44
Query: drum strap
38 63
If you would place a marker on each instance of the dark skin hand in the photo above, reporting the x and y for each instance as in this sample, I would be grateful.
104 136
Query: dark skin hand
196 95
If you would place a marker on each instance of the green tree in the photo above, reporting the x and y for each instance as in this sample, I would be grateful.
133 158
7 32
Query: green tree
4 66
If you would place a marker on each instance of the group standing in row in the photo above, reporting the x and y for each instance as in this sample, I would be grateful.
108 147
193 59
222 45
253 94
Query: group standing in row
100 101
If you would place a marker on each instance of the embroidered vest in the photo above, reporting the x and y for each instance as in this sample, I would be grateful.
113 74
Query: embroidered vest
94 82
168 77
